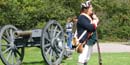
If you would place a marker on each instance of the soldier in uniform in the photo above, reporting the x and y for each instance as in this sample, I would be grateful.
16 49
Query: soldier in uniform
86 21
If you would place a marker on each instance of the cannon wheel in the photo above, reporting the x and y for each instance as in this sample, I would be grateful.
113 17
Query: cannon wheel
10 54
52 43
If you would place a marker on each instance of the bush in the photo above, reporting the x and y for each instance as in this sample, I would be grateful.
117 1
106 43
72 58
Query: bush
29 14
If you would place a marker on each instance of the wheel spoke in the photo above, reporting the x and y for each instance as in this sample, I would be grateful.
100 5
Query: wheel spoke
58 49
55 31
5 45
6 50
7 34
11 34
18 53
50 55
58 34
12 58
6 39
48 34
47 45
51 33
48 50
16 57
9 55
47 39
55 55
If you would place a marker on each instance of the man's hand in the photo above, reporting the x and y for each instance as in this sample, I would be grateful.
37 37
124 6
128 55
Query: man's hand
95 20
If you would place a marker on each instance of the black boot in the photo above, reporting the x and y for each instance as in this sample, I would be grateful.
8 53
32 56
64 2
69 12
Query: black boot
85 63
82 63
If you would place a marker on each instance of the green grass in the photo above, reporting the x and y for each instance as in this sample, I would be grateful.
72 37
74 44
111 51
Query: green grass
33 57
107 59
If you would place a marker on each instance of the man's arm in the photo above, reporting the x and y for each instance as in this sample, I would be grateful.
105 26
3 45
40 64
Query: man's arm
85 23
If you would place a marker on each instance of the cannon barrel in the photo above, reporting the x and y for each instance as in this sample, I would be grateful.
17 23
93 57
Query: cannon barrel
23 33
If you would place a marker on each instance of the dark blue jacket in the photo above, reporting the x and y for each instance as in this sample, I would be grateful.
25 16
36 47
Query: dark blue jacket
84 24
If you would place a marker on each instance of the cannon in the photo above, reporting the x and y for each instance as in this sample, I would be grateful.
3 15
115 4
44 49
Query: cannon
50 40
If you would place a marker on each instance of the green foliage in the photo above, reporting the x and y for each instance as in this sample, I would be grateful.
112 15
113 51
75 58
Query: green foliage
29 14
114 19
26 14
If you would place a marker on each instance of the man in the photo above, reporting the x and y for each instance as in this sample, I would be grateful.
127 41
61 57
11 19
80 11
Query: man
86 21
69 25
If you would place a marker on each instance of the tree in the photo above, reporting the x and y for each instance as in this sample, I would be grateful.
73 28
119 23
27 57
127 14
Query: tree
29 14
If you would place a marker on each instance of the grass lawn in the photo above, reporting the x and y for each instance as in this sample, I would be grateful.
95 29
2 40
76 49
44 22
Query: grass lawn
33 57
107 59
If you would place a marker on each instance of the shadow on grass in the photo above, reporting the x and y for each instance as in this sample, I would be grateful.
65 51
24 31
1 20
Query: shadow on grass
34 63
